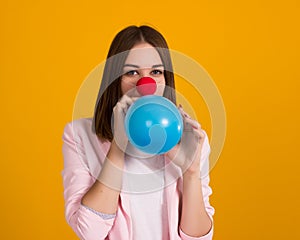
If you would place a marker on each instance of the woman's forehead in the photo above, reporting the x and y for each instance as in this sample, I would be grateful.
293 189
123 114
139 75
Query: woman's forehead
144 57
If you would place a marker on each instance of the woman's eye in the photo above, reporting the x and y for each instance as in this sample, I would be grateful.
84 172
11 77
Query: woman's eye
132 72
156 72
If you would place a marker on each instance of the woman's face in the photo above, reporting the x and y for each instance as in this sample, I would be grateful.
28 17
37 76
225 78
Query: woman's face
142 61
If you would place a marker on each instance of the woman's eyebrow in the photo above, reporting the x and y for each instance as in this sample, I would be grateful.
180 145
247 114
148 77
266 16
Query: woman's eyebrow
157 65
136 66
131 65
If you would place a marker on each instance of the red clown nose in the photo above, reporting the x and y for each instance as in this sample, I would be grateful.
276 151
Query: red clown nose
146 86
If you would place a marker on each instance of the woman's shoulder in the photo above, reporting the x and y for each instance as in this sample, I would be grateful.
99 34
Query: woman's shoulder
80 127
79 136
78 124
82 130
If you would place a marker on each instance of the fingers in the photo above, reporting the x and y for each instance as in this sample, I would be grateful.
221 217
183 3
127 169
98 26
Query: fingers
183 113
185 117
119 112
193 123
189 123
199 134
124 103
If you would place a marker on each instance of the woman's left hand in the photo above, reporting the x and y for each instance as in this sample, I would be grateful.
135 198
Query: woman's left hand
187 153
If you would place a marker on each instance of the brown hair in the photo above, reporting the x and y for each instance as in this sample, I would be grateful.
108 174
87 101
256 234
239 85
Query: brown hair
110 89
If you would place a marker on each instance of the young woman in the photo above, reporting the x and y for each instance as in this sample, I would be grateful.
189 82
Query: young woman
114 191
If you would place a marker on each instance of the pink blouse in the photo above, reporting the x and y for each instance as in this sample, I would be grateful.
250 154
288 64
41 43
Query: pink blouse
84 153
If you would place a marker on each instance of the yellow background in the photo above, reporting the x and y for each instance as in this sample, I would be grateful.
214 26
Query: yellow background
251 50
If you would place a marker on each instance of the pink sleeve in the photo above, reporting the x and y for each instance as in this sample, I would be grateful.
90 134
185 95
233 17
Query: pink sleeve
208 236
206 190
77 180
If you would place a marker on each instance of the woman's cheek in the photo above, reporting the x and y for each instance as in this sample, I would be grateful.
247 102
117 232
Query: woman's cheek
126 86
160 89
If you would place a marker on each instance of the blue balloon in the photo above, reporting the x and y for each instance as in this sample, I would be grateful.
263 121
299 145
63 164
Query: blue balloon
153 124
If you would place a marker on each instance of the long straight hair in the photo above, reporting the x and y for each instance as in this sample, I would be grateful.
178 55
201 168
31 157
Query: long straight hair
110 88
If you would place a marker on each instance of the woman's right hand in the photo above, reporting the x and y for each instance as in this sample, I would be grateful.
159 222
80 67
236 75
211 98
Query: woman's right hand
119 112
